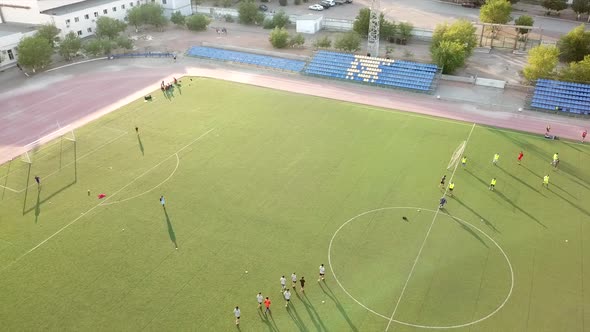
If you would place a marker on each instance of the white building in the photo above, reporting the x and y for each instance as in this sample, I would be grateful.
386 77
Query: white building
10 36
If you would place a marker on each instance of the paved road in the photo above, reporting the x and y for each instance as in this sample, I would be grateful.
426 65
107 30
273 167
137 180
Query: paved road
426 14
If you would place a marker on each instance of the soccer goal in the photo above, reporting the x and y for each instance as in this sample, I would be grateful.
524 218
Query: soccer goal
457 155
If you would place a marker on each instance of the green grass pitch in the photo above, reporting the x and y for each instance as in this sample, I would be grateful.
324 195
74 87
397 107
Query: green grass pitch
261 180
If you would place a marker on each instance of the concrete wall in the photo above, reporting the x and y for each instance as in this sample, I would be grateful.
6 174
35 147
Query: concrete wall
491 83
19 15
171 6
308 25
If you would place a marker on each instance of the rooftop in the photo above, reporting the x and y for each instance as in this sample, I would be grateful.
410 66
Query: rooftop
7 29
75 7
313 17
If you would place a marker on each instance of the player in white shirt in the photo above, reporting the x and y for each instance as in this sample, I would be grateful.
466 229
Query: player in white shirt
322 272
283 283
259 298
237 314
294 280
287 295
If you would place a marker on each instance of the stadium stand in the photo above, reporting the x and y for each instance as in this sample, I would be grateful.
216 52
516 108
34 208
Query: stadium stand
379 71
560 96
246 58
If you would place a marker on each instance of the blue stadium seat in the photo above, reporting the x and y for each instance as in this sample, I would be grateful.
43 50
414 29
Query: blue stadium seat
568 97
247 58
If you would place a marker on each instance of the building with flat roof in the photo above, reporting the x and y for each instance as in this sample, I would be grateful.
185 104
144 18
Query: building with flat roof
10 36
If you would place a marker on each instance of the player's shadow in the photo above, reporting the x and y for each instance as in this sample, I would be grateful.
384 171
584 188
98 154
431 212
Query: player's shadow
501 195
179 86
339 306
571 171
296 318
140 145
469 230
265 320
519 180
37 206
27 189
313 314
485 220
170 229
581 209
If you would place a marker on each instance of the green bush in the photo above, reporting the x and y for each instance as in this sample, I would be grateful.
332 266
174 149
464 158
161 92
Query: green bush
323 42
279 38
227 3
296 40
268 23
228 18
198 22
349 42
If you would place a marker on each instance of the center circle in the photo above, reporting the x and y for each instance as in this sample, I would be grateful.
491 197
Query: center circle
473 230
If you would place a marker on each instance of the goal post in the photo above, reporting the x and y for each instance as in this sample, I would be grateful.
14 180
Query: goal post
26 158
456 155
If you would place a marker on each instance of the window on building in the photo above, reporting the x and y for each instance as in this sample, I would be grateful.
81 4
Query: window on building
163 2
105 11
79 32
95 14
114 9
68 21
76 19
122 6
89 30
10 55
86 16
131 4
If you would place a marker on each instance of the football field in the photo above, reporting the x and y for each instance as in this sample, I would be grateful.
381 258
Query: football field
261 183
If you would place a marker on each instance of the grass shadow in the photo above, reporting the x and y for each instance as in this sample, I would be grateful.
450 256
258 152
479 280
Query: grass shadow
265 320
313 314
488 223
41 202
501 195
296 318
38 206
469 230
519 180
140 145
170 229
179 86
581 209
571 171
339 306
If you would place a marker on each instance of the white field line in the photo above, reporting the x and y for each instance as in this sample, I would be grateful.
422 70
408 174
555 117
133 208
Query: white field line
150 190
424 241
75 63
101 203
8 188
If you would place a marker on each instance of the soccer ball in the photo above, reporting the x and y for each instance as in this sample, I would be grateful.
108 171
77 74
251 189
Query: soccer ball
246 272
323 301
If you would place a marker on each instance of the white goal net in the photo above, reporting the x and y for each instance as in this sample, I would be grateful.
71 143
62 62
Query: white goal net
457 155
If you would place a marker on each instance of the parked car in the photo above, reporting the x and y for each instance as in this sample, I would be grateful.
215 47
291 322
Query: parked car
327 3
471 4
340 2
263 8
316 7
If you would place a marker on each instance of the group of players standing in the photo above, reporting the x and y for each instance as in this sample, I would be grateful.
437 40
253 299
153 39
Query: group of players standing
492 187
286 292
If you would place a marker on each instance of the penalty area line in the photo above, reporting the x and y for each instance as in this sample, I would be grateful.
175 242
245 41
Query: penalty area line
424 242
101 203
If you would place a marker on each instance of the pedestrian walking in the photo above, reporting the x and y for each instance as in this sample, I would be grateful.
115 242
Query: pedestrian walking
546 181
259 299
38 180
267 305
136 130
492 184
237 315
451 188
163 201
464 161
322 273
584 133
294 280
283 281
442 181
443 201
496 158
520 155
287 295
302 283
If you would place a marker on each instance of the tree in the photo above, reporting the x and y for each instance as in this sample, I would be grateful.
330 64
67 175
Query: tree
541 62
556 5
153 14
93 47
34 52
323 42
135 17
405 30
575 44
49 32
70 46
124 42
524 20
110 28
449 55
248 12
296 40
496 11
580 6
350 42
461 31
576 71
198 22
279 38
361 24
177 18
280 19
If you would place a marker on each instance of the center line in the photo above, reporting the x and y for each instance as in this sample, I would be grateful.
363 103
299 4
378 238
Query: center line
424 241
